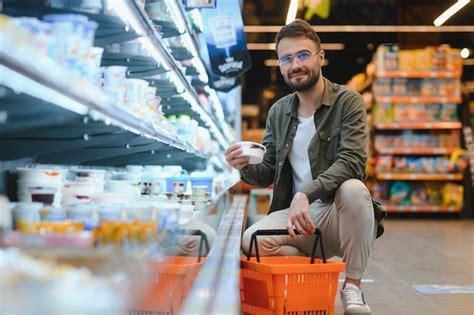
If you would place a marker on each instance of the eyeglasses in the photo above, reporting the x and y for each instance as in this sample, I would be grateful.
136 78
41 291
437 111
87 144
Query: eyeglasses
301 57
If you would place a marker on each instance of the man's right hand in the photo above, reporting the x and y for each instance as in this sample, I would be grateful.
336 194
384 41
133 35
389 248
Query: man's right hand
232 157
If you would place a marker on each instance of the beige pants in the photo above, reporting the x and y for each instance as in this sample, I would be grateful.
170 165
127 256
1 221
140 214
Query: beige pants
347 225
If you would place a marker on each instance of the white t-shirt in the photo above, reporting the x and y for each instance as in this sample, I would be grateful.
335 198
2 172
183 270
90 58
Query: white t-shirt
298 155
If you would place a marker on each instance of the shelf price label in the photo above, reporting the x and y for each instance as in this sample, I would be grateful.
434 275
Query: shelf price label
413 176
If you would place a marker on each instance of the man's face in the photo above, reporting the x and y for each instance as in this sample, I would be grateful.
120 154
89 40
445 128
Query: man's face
304 67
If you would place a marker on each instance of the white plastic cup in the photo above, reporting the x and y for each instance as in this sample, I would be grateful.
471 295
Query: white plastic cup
255 151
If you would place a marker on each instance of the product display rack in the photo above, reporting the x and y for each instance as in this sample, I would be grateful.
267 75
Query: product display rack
138 67
50 116
411 179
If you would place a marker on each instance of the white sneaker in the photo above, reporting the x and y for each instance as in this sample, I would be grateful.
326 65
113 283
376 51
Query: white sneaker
353 300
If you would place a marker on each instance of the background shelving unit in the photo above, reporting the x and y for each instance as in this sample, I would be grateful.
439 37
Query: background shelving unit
396 137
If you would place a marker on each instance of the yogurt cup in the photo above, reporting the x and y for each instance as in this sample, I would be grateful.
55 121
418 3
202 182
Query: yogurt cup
254 150
25 215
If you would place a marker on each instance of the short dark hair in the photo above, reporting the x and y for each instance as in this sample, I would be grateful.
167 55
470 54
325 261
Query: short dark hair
298 28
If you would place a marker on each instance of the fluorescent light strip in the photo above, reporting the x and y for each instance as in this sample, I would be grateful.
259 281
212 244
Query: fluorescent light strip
271 46
368 29
292 10
125 13
175 13
153 51
219 113
176 81
22 84
207 120
450 12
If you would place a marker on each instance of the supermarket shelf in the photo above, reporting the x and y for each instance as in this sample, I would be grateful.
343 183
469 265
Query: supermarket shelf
420 208
419 125
418 74
114 29
143 26
415 176
417 99
79 97
419 151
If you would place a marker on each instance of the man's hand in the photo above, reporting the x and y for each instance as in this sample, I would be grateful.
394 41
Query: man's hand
231 156
299 216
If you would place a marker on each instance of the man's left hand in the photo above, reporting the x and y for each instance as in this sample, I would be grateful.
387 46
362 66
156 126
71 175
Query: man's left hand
299 216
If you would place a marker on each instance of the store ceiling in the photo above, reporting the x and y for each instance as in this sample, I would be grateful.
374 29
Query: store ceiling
359 47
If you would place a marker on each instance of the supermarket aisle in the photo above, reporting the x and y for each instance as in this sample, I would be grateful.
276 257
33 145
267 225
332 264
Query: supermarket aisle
420 252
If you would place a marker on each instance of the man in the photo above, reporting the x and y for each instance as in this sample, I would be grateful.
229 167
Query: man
316 140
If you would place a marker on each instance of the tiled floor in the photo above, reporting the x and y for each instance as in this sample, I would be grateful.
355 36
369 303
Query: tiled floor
420 252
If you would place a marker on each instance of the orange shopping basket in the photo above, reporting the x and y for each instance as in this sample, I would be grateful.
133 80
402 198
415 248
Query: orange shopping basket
288 284
171 281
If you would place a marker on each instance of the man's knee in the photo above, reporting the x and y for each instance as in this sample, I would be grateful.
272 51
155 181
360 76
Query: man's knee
352 191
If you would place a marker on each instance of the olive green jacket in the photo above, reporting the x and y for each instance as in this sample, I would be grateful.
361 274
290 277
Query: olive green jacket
337 152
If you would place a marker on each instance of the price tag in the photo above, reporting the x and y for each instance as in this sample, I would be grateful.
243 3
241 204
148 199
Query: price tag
444 100
414 99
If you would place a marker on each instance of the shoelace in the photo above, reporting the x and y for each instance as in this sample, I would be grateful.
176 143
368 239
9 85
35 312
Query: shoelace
353 296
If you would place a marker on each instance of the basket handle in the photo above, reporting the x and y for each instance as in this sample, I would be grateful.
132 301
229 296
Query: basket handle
202 240
317 239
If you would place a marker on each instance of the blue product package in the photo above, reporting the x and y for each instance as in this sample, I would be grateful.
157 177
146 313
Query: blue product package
203 181
225 39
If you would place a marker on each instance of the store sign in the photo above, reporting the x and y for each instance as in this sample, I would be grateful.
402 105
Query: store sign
223 84
193 4
225 39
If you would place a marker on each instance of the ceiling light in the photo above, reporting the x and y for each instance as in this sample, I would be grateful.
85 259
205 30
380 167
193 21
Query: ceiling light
292 10
450 12
465 53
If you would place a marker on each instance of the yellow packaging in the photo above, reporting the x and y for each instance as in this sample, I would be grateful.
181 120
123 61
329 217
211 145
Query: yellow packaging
407 60
423 59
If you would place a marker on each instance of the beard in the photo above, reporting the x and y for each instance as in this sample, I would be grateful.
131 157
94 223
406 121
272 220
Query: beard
304 85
